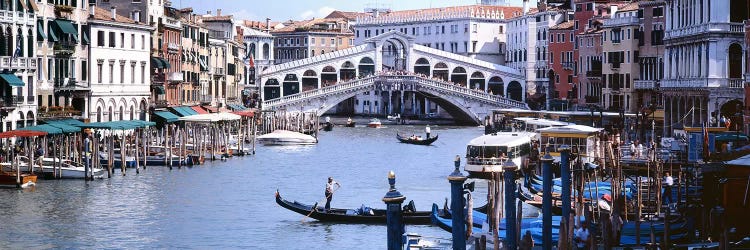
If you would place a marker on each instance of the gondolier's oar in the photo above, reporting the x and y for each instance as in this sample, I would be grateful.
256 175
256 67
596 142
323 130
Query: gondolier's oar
315 206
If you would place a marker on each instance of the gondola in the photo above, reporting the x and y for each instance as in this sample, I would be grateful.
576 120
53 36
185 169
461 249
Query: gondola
328 126
416 141
362 215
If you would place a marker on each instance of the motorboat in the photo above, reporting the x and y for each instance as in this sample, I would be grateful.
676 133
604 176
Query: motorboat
374 123
286 137
487 153
69 169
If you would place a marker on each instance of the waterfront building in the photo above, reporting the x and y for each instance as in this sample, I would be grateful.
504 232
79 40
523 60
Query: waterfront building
226 65
62 66
259 47
747 76
120 67
308 38
704 43
589 88
194 58
561 64
527 48
18 62
650 37
620 64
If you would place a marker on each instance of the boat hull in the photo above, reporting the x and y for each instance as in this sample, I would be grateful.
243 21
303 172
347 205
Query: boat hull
425 142
377 216
11 180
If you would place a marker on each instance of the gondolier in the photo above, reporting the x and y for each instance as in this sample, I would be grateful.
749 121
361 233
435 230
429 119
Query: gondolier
329 192
427 131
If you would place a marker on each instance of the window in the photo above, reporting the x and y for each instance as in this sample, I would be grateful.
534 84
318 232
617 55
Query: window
111 72
132 73
99 69
143 73
474 28
143 41
122 40
100 38
132 41
84 71
122 73
112 40
658 11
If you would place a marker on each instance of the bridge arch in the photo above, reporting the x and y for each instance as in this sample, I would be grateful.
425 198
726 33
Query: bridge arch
440 71
347 71
328 76
291 84
515 91
458 76
496 86
309 80
477 81
422 66
271 89
366 66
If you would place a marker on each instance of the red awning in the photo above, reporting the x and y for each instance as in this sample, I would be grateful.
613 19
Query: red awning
199 109
21 133
246 113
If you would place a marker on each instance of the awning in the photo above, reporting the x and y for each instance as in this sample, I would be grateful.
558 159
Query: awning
46 128
199 109
118 125
213 117
236 107
40 31
246 113
12 80
166 63
52 35
33 5
159 90
157 63
67 27
85 37
183 111
202 62
166 116
21 133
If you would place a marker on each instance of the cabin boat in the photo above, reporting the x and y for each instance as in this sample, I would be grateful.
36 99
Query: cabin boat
486 154
580 138
374 123
286 137
69 169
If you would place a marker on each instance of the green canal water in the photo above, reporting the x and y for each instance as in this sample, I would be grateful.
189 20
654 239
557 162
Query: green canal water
231 204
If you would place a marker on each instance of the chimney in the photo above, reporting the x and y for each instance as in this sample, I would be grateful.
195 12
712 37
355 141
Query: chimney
92 8
218 12
137 16
612 10
268 25
208 12
525 7
114 12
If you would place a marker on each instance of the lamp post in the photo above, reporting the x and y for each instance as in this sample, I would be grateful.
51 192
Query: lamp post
457 180
394 216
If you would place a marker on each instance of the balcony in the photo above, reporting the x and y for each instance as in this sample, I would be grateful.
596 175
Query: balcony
736 83
64 48
159 104
70 87
700 83
17 17
171 23
64 11
158 77
702 29
541 64
747 77
621 21
175 77
567 65
597 73
17 63
216 71
206 99
644 84
173 48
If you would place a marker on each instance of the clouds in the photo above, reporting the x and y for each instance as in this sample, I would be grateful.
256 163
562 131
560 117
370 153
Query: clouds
322 12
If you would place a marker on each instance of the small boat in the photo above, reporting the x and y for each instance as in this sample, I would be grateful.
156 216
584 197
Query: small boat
328 125
70 170
416 140
286 137
350 123
359 215
11 179
374 123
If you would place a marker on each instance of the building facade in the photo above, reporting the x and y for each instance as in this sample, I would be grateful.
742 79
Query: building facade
120 68
650 53
620 64
313 37
18 64
259 47
704 43
561 64
194 58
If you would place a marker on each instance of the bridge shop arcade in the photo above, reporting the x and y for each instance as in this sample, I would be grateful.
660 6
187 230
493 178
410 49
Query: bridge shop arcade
391 74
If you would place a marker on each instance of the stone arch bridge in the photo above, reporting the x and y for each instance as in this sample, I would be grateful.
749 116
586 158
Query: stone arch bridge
393 65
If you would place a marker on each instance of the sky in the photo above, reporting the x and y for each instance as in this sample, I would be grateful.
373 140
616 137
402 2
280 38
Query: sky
283 10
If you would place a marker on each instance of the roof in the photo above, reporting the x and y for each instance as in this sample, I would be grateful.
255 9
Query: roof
306 24
350 15
213 117
117 125
247 31
564 25
450 12
217 18
629 7
571 129
106 15
502 139
258 24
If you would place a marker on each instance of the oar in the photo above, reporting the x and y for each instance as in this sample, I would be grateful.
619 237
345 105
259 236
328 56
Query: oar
315 206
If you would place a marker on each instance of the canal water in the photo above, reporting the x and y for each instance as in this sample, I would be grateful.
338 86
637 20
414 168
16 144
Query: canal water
231 204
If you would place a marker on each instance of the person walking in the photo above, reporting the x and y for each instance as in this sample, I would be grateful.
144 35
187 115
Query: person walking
329 192
668 183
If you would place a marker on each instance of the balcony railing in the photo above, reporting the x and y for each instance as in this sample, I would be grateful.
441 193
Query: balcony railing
594 73
14 100
64 48
702 83
621 21
734 28
736 83
216 71
644 84
567 65
17 63
206 98
592 99
10 16
175 77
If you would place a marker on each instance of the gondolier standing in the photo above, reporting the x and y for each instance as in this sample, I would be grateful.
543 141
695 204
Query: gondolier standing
427 131
329 192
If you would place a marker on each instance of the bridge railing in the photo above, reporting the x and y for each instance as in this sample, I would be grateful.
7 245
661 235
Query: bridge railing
470 92
328 90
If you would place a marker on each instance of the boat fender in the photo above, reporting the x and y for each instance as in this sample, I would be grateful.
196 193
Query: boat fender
28 184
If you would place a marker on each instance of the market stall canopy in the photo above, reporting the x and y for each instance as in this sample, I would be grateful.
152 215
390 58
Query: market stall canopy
118 125
166 116
21 133
213 117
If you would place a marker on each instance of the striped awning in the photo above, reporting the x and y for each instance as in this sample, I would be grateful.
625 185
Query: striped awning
12 80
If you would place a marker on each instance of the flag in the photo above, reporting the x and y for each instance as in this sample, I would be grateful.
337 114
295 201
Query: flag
729 123
249 61
17 52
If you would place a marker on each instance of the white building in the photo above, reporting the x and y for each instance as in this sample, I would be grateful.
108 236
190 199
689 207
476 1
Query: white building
703 62
120 71
259 54
18 67
527 44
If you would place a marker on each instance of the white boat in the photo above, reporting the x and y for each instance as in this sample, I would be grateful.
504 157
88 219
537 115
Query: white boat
286 137
70 169
374 123
487 154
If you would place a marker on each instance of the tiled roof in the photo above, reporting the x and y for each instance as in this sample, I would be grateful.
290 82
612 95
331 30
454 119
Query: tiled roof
258 24
294 26
564 26
630 7
467 11
106 15
217 18
350 15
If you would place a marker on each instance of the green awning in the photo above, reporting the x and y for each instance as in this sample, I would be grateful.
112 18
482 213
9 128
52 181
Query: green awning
183 111
157 63
202 62
67 27
86 38
118 125
236 107
12 80
166 116
52 35
40 31
49 129
166 63
189 110
159 90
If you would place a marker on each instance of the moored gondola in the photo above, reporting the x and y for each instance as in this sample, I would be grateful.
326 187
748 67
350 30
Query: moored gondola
416 140
364 215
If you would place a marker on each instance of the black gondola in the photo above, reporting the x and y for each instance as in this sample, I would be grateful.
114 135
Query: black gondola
360 215
416 141
328 126
351 124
